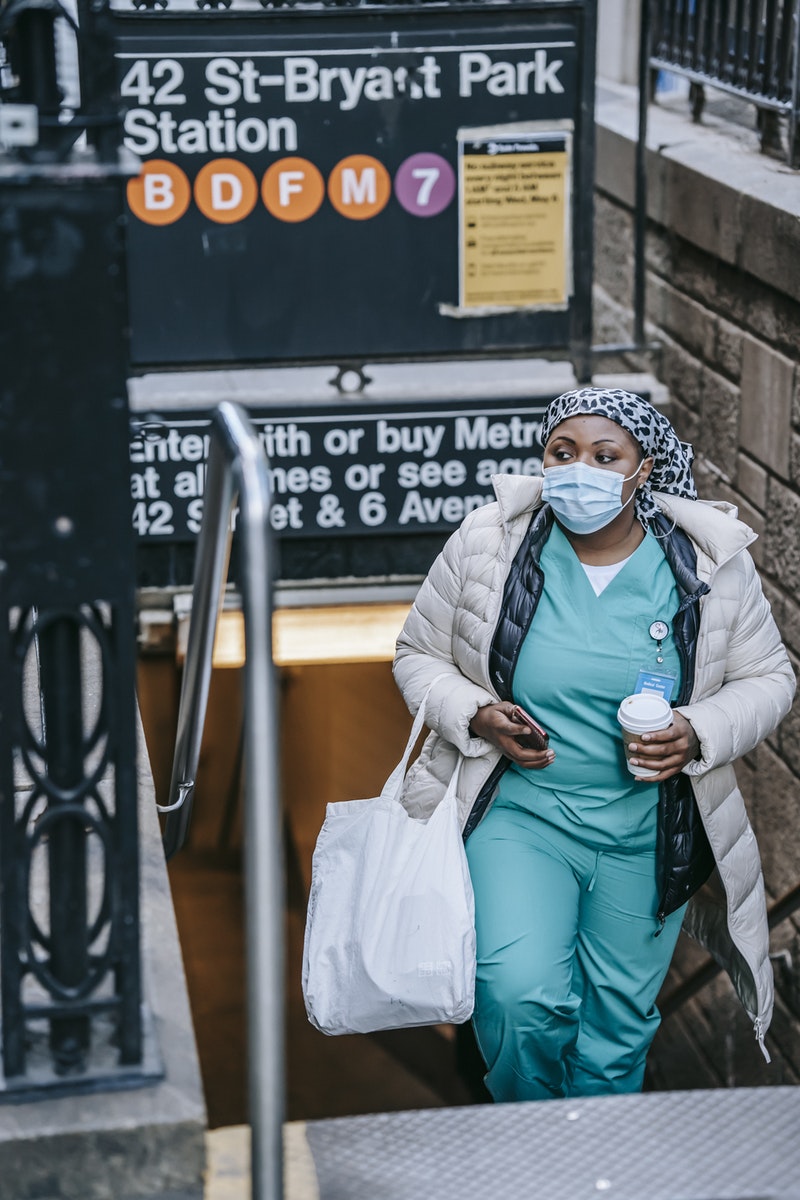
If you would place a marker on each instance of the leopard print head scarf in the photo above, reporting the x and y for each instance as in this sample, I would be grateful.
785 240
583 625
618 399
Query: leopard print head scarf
672 458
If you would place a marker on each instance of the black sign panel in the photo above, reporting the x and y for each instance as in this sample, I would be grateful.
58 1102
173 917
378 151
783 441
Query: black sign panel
300 191
372 469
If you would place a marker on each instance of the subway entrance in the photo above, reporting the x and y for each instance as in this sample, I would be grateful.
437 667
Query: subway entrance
366 491
343 726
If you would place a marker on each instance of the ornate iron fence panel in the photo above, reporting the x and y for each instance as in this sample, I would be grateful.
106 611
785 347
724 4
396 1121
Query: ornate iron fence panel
746 47
71 990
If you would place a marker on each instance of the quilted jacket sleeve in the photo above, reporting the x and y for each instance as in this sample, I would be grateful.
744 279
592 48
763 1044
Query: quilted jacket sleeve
425 651
758 682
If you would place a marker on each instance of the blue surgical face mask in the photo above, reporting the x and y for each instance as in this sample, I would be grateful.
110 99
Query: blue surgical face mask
584 498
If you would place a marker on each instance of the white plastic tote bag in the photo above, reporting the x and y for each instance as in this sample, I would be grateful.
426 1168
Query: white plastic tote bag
390 928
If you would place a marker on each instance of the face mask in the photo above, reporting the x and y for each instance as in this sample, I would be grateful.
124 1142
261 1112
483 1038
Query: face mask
585 498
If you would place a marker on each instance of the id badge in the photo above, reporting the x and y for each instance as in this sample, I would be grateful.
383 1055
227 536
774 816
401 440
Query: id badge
660 683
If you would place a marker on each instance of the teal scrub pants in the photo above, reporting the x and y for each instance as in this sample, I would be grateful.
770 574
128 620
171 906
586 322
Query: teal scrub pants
568 964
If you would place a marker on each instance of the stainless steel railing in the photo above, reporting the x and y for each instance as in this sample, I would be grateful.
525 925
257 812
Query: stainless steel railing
237 466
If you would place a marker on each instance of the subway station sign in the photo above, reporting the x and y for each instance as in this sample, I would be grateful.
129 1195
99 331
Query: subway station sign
369 469
339 184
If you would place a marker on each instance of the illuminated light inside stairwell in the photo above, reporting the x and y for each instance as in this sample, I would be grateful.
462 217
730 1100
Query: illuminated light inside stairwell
302 636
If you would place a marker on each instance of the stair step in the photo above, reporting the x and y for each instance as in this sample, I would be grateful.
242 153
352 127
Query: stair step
228 1163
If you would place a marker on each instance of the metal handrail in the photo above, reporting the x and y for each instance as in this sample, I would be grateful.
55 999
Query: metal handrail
237 465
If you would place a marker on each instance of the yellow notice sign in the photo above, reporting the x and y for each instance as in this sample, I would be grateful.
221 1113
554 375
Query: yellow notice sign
515 219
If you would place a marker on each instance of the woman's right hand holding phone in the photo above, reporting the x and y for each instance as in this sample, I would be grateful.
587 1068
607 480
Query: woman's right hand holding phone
495 723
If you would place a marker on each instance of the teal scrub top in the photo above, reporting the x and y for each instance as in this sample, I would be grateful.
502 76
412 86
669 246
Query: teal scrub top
583 653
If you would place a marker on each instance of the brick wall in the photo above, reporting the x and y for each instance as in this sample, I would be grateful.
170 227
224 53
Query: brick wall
723 301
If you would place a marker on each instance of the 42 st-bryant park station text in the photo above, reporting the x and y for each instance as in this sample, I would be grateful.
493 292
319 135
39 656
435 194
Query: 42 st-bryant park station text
299 79
328 474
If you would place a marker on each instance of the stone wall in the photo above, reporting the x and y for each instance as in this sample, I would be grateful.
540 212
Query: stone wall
723 302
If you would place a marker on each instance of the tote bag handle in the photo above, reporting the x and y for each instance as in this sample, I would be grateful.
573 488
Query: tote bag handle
393 786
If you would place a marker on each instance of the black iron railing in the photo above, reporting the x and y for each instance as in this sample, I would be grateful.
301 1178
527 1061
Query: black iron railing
748 48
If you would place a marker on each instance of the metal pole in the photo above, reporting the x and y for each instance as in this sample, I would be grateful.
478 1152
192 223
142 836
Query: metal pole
210 571
237 464
792 149
640 210
583 202
264 884
59 640
32 52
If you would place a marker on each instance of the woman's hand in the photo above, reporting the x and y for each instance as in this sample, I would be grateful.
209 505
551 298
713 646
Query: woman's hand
494 723
665 750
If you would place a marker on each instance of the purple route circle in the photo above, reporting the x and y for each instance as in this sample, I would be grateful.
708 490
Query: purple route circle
425 184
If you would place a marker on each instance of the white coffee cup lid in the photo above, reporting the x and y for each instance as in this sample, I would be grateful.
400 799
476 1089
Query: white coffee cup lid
644 711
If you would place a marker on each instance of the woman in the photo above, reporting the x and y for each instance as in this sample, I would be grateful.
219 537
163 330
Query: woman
604 577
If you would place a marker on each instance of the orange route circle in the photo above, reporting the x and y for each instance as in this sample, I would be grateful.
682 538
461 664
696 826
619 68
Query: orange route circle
292 189
159 195
359 187
225 191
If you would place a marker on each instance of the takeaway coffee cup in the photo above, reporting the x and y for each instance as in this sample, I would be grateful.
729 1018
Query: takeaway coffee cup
642 713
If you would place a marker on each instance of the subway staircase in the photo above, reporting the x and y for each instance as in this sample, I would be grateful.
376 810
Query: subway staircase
390 1117
402 1115
739 1144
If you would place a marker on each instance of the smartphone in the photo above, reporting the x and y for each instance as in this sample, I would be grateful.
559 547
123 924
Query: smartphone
536 738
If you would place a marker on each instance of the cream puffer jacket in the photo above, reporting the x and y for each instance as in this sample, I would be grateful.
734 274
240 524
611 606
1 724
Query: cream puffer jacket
743 688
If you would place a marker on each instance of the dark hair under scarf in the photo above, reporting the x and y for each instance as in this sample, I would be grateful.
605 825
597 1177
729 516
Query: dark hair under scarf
672 458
